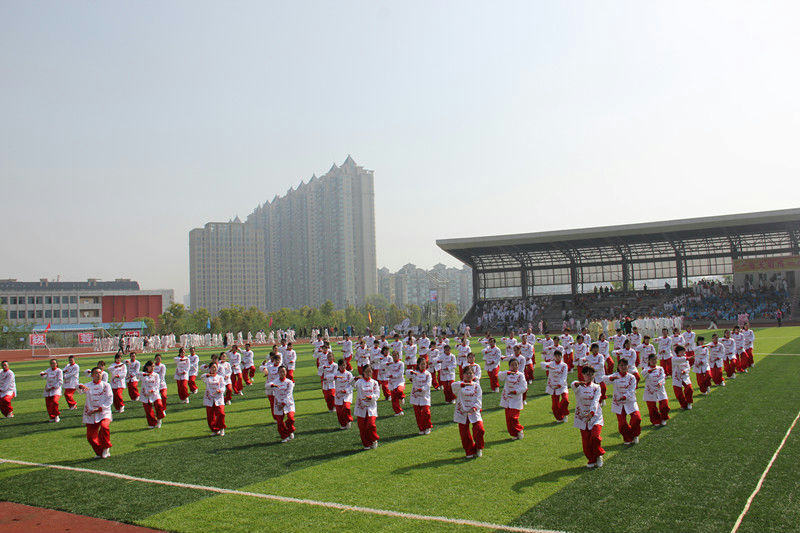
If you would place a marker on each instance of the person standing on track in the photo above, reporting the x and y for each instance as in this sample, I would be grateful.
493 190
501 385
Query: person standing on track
132 377
54 380
71 379
97 413
8 389
368 391
511 399
118 373
589 417
214 399
469 401
421 382
283 389
150 396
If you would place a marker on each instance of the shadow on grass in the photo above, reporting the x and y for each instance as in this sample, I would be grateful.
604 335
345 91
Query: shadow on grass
549 477
430 464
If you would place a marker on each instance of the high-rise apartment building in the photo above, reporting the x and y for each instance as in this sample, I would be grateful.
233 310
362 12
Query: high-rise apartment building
413 285
315 243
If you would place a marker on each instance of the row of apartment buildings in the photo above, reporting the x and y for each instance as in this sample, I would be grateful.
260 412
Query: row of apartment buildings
414 285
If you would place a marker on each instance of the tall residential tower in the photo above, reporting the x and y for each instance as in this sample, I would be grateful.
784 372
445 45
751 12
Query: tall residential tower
314 244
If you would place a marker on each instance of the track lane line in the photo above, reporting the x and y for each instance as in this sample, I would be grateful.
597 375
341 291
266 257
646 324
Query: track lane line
288 499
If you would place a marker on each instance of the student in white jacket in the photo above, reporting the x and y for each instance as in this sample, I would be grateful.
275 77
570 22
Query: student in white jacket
150 396
284 405
343 380
469 402
367 393
118 372
182 365
71 379
589 417
491 358
327 371
396 379
161 369
655 394
701 367
511 398
8 389
271 370
557 372
214 399
194 369
97 413
681 378
132 378
447 373
624 402
54 380
421 382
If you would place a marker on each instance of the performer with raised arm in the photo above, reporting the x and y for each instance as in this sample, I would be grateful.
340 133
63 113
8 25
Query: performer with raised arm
421 382
511 399
54 380
97 413
469 403
151 397
589 417
71 379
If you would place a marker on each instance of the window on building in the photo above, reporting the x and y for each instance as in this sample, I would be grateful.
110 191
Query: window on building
56 299
48 300
48 313
73 300
39 299
31 314
30 300
13 300
73 313
38 313
3 300
57 313
12 315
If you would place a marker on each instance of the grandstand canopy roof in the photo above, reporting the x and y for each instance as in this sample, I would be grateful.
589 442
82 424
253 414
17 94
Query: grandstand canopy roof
685 242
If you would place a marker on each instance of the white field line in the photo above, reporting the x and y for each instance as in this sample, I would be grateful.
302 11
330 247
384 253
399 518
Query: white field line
764 475
286 499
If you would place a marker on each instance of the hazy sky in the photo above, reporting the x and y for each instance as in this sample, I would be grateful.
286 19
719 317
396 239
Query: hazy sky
126 124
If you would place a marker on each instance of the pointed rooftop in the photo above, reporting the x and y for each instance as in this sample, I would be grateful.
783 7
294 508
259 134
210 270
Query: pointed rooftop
349 162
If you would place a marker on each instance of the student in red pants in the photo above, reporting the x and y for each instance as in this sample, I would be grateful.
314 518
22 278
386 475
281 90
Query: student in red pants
368 391
284 405
700 367
624 403
327 372
557 371
469 402
118 374
8 389
511 399
54 379
447 373
491 358
681 378
150 396
396 379
343 381
589 417
182 365
716 359
421 383
97 414
214 398
71 379
655 394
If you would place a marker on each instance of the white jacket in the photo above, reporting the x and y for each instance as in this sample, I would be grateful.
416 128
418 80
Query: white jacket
71 376
134 367
284 396
8 385
344 387
587 405
420 387
515 386
117 374
447 367
98 396
150 385
556 377
680 371
182 365
654 379
624 400
54 381
491 357
215 390
368 392
469 401
395 374
701 361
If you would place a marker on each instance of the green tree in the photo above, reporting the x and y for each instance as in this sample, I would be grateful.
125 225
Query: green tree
451 314
149 324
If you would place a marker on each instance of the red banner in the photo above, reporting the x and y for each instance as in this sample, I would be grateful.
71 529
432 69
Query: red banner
37 339
132 333
86 338
767 264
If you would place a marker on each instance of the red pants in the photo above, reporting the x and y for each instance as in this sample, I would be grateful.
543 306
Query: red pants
330 398
460 373
448 391
629 431
703 380
750 360
271 398
368 430
236 382
560 405
493 382
347 364
529 372
609 366
163 393
228 392
285 428
215 415
343 414
192 384
99 435
666 364
716 375
684 395
183 388
658 412
133 390
602 391
119 400
435 383
153 412
69 395
397 398
730 366
591 443
473 442
423 415
569 359
248 374
290 374
5 405
385 388
580 373
360 369
51 402
512 422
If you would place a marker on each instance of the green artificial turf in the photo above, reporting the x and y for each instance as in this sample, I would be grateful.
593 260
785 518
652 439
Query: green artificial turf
693 475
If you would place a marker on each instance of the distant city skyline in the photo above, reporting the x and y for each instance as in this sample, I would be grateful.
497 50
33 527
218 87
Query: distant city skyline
126 125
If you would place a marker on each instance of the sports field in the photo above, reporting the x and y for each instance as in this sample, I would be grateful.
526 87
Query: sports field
695 474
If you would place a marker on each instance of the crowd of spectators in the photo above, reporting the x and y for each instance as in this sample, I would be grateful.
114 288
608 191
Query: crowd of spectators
509 313
714 301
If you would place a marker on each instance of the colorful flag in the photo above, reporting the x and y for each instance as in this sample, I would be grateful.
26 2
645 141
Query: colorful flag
369 317
48 327
270 321
208 323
